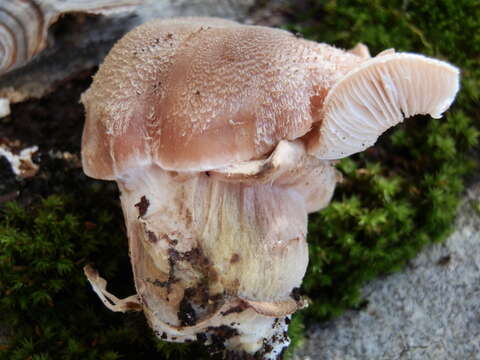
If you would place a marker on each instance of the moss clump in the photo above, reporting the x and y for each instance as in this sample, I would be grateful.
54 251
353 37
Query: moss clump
46 303
402 194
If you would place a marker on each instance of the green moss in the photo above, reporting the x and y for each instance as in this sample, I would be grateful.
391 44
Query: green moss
45 300
402 194
296 332
475 206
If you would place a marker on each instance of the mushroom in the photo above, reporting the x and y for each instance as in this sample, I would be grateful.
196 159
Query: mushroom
221 138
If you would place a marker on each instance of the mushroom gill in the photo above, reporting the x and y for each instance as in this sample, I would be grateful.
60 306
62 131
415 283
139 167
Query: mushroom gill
377 95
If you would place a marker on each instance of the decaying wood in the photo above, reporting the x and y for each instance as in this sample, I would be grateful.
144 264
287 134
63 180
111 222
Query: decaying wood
24 24
67 37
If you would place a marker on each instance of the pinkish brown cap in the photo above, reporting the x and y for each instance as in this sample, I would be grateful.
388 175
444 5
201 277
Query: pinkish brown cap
196 94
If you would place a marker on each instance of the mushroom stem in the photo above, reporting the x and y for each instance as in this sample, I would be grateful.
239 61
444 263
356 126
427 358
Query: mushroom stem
222 138
203 249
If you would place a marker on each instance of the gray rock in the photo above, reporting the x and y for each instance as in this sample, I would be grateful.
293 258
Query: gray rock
431 310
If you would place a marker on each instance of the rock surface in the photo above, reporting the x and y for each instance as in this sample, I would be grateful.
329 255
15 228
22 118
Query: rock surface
431 310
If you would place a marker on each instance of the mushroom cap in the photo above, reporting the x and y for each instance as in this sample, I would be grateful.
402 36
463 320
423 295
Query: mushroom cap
377 95
195 94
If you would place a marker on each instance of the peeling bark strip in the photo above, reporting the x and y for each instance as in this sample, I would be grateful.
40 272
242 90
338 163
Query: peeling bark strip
26 23
142 206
